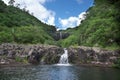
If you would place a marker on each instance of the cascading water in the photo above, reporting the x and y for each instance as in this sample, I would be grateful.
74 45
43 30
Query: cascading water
64 58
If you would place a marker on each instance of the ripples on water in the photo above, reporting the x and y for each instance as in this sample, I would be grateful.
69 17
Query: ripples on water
54 72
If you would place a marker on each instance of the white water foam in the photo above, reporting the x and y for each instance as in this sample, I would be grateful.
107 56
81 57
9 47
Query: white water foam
64 59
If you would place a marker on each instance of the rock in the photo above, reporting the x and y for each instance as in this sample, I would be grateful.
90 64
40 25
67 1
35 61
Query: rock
46 54
34 53
92 55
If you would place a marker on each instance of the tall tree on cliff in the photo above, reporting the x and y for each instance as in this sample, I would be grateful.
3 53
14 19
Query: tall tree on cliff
11 2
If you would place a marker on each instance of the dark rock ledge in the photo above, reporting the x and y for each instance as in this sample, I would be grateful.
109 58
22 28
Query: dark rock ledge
93 56
12 54
35 54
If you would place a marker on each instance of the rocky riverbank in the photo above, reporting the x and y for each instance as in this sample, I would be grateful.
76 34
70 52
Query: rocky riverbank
35 54
46 54
93 56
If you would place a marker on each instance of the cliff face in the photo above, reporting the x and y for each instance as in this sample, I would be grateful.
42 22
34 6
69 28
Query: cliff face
39 54
92 55
44 54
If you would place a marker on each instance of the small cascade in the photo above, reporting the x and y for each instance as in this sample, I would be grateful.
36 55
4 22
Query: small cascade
60 35
64 58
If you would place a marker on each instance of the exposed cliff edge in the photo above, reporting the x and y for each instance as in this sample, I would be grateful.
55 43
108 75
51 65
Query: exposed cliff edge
93 55
46 54
40 54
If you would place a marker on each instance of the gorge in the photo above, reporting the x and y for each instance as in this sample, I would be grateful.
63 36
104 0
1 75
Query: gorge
51 63
33 50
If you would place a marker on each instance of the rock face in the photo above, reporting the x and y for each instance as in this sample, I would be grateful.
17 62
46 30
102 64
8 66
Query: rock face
60 35
92 55
33 53
44 54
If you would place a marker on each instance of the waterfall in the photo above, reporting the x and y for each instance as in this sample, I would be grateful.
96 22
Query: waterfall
64 58
60 35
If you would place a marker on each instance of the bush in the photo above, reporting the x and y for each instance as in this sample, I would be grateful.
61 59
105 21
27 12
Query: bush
117 64
5 37
72 40
19 59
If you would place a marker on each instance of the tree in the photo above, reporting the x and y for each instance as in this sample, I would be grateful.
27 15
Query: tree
11 2
24 9
17 5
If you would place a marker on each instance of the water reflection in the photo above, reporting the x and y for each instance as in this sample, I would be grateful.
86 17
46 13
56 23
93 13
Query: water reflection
52 72
56 73
63 73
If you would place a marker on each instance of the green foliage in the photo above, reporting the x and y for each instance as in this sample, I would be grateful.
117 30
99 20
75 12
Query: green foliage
117 64
71 41
101 28
11 16
19 59
25 34
19 26
5 36
31 34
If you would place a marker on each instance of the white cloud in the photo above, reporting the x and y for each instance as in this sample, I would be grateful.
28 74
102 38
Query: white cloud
72 22
37 8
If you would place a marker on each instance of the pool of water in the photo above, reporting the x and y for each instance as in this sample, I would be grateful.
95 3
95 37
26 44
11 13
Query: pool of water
55 72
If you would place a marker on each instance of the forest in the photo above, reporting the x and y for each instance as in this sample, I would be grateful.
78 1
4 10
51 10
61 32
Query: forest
101 28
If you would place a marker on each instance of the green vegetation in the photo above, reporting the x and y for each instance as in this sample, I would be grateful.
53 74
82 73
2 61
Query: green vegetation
19 59
19 26
101 28
117 64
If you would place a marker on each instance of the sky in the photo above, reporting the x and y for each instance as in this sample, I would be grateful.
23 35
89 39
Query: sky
61 13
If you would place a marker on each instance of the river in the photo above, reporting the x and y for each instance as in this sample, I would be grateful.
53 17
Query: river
54 72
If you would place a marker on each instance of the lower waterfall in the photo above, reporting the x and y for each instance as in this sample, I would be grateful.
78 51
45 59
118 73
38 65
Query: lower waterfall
64 58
